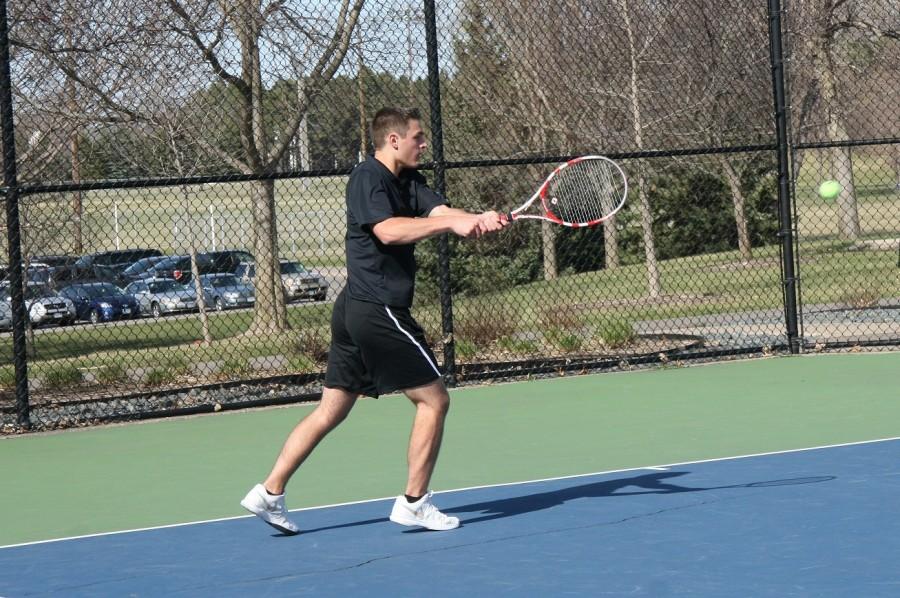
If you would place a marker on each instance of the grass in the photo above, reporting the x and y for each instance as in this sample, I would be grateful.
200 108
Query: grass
875 180
614 299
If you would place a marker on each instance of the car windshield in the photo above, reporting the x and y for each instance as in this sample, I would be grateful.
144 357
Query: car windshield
223 281
164 286
96 291
37 292
292 268
141 265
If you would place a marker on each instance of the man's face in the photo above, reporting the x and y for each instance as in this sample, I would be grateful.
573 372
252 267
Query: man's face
411 147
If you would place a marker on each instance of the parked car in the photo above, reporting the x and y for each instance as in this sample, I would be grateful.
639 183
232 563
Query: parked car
141 269
55 261
299 283
44 306
56 271
178 268
227 261
106 265
101 302
36 272
222 291
5 316
157 296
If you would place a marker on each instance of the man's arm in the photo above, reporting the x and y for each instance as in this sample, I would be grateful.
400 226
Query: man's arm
442 219
401 230
445 210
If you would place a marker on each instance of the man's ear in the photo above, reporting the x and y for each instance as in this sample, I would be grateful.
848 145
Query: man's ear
393 140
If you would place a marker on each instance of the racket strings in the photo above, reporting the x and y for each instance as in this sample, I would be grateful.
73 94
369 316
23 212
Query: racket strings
586 191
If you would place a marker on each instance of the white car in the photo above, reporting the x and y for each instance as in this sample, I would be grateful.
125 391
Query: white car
45 306
298 282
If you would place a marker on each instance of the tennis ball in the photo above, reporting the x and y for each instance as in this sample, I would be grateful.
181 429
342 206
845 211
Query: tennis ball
829 189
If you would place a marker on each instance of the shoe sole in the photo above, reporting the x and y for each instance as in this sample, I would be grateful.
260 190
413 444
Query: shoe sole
282 529
417 523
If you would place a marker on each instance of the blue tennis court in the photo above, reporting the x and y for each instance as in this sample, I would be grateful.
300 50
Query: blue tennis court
817 522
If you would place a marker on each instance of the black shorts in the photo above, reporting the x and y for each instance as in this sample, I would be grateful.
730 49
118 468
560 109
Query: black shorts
376 349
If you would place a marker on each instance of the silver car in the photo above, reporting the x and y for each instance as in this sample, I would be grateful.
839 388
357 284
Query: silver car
5 316
158 296
299 283
44 306
221 291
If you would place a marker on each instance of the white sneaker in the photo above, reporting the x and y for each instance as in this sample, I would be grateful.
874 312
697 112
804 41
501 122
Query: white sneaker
270 509
421 513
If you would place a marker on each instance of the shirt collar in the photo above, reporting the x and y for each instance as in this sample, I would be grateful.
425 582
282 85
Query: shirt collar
371 158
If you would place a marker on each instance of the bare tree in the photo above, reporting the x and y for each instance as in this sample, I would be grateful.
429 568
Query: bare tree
726 74
826 34
251 23
654 286
181 46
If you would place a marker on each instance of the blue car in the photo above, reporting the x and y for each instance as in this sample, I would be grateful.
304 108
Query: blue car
101 302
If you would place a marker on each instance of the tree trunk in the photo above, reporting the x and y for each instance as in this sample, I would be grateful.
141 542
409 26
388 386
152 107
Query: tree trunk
611 243
654 286
77 203
201 300
192 246
74 151
270 312
842 171
841 162
740 214
548 241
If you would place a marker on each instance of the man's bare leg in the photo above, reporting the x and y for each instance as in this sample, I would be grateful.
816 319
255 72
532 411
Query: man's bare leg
331 411
432 403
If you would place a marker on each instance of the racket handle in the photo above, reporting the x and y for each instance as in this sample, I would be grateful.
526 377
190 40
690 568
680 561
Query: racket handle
506 217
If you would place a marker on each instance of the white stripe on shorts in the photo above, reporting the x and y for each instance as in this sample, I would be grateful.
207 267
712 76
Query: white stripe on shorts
411 338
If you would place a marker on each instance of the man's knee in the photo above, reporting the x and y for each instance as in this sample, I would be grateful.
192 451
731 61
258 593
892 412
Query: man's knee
334 407
433 396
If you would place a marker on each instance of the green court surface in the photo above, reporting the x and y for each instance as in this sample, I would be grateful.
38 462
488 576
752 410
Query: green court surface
172 471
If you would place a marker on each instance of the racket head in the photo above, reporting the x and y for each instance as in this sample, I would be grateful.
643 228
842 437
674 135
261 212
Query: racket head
584 191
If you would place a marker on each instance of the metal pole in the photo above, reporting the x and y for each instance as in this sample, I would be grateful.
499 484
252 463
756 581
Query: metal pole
11 193
437 151
789 279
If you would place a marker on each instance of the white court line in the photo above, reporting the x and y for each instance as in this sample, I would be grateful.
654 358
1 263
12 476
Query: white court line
370 500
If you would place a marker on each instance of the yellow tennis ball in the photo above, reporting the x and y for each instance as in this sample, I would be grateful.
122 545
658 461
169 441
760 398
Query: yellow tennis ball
829 189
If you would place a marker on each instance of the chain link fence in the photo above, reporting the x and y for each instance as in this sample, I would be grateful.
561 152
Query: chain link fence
174 178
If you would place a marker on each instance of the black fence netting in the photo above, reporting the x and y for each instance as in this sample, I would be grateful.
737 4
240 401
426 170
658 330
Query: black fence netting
174 177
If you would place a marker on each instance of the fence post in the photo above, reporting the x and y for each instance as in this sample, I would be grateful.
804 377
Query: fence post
437 151
789 279
11 195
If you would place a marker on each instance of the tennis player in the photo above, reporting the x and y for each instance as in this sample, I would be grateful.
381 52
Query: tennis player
376 345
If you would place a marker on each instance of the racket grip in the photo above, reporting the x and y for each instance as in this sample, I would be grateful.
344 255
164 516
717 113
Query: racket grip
506 217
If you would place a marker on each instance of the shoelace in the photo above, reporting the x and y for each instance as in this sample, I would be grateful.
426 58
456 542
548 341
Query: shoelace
428 510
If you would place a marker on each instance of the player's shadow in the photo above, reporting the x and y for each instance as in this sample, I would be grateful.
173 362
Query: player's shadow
651 483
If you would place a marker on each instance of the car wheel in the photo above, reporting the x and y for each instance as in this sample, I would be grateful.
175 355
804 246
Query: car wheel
94 316
321 296
218 304
155 311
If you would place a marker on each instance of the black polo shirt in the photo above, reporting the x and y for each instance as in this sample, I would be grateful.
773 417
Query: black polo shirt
376 272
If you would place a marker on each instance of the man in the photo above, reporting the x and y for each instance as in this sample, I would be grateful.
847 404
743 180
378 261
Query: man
376 346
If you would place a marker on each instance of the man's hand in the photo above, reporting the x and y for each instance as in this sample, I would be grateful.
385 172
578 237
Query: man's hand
469 225
466 225
490 222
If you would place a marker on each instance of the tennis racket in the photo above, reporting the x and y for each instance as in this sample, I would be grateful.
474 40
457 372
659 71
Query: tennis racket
581 192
